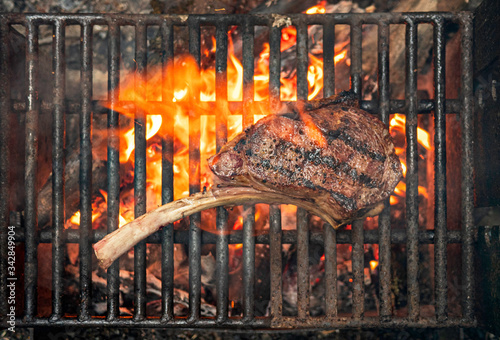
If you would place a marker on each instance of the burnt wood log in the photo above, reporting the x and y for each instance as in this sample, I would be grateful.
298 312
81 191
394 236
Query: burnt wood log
397 52
72 187
17 61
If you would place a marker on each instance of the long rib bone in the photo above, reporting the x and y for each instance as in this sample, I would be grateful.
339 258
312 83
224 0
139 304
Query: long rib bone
121 240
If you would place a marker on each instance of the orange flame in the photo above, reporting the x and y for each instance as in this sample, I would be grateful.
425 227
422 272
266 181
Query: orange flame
397 126
75 219
398 123
172 96
318 9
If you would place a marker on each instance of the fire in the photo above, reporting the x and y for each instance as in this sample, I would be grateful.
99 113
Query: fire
171 95
153 124
315 76
397 125
75 219
373 265
403 166
121 220
318 9
339 57
288 91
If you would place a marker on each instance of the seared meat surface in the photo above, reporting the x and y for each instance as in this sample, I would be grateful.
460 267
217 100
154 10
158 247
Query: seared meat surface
329 152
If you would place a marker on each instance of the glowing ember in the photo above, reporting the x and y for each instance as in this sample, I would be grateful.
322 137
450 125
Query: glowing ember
373 265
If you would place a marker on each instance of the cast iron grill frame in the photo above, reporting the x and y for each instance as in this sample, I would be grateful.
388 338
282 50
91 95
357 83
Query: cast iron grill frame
384 236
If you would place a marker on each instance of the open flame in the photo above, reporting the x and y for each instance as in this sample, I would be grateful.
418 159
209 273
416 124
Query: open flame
318 9
397 126
168 99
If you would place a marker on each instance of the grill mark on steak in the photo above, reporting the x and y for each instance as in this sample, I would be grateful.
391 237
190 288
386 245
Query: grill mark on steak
316 158
353 143
348 203
281 170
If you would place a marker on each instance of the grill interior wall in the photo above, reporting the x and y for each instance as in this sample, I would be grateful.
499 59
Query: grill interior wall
29 236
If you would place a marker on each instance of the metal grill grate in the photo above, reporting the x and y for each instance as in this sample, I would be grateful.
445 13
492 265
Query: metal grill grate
384 236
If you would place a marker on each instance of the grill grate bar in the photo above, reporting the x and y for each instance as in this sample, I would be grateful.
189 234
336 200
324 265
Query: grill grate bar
248 262
398 236
358 295
274 68
275 259
86 174
425 106
328 64
4 163
140 171
31 154
222 251
113 168
248 73
302 264
440 173
274 210
467 126
236 19
248 210
302 62
167 182
384 220
356 62
302 217
261 323
58 169
331 295
194 186
222 265
412 170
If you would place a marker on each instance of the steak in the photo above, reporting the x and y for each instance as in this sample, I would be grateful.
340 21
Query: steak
328 157
329 152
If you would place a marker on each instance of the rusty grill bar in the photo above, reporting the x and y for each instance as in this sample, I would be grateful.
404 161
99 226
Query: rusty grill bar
384 236
440 173
167 234
86 175
113 165
140 174
412 172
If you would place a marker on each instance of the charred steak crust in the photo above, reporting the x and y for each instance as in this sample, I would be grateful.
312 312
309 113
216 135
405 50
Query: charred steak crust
331 152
